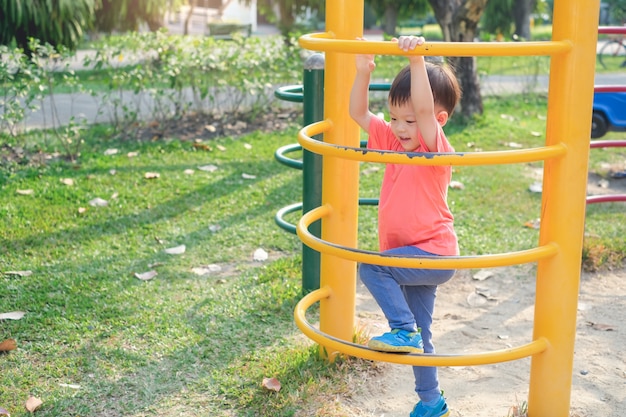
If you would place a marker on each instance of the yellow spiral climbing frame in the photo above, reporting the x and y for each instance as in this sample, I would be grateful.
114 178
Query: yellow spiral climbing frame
565 154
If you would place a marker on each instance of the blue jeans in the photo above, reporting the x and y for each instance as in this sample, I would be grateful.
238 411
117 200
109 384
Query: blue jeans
407 298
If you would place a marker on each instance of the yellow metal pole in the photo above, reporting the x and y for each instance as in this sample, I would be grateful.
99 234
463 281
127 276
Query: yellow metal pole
344 19
563 206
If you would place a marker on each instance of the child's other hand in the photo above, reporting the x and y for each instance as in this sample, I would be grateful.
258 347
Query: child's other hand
365 62
407 43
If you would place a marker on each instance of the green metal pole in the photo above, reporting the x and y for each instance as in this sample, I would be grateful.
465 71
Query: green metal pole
313 107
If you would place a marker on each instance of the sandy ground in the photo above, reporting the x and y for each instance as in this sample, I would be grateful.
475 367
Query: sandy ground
466 322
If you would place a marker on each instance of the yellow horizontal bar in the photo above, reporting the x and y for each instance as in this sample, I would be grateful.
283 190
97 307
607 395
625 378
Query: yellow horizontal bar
328 43
353 349
435 262
424 158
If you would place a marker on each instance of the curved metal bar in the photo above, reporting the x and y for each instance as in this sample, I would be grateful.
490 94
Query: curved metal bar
612 30
280 214
608 198
609 89
328 43
431 262
423 158
279 155
353 349
293 93
607 144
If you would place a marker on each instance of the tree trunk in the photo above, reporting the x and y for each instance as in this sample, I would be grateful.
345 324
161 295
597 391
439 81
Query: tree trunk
390 19
192 5
459 22
286 19
521 15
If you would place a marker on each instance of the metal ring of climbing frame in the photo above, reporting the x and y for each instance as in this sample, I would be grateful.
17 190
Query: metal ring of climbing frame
353 349
326 42
434 262
458 158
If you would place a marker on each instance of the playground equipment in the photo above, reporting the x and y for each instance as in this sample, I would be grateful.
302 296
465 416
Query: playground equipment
565 155
609 113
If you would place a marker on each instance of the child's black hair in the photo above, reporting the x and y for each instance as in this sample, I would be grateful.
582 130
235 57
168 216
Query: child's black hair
443 83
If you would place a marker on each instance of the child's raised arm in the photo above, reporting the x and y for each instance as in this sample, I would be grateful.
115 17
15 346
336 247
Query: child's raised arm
421 93
359 95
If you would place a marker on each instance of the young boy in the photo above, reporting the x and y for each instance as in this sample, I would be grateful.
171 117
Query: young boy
413 215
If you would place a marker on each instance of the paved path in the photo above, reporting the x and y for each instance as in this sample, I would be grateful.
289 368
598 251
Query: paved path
93 109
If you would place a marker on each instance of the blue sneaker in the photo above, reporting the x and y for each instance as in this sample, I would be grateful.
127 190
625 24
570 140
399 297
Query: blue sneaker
438 410
398 340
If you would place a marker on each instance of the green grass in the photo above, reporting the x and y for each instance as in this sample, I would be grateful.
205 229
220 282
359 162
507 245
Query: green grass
184 344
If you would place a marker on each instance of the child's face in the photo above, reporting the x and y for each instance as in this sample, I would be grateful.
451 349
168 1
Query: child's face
404 125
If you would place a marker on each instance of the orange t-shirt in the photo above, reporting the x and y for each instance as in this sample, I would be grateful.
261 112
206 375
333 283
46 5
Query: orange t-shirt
413 208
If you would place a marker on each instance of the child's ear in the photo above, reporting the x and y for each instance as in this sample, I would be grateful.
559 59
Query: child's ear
442 117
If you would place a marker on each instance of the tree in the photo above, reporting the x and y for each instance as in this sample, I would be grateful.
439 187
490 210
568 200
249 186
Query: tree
284 13
125 15
459 22
497 17
55 22
392 10
501 15
522 9
617 10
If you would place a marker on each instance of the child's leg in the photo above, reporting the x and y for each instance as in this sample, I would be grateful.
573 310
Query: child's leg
385 284
421 300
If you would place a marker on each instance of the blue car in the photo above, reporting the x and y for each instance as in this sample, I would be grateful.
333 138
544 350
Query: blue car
609 111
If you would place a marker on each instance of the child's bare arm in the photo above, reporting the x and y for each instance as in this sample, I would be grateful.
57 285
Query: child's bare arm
359 95
421 93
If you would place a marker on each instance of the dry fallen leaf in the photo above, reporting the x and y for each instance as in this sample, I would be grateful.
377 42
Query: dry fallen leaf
260 255
189 172
208 168
221 148
13 315
25 192
271 384
600 326
82 210
475 299
176 250
151 175
111 151
98 202
146 276
248 176
205 270
132 154
7 345
536 187
533 224
72 386
482 275
19 273
202 146
4 412
457 185
33 403
67 181
247 146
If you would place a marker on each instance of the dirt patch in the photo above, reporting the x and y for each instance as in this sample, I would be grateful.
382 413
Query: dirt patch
504 319
200 127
